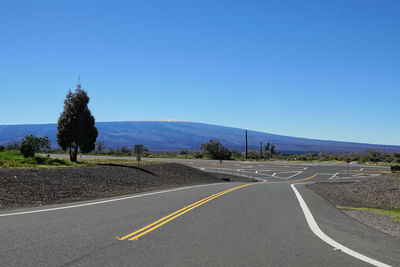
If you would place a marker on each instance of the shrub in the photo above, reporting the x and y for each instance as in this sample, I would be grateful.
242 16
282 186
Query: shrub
215 150
253 154
32 144
2 148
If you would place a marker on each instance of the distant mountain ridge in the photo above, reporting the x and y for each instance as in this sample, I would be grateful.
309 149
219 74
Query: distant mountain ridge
176 135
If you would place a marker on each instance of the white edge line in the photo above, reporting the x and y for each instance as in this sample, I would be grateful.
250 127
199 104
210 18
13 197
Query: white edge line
318 232
294 175
105 201
333 176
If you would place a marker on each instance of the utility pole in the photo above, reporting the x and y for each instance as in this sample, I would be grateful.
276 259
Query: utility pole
246 144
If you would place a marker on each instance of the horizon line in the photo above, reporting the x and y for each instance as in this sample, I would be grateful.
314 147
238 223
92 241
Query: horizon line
172 120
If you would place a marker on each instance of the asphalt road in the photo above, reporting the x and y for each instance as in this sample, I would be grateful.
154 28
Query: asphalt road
230 224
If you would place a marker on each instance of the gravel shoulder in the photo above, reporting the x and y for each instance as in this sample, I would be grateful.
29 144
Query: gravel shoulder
380 222
380 192
37 187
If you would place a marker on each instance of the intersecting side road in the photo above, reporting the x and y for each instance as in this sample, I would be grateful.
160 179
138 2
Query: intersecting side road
229 224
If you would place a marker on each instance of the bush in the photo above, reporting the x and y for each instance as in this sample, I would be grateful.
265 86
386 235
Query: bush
2 148
184 152
32 144
215 150
168 154
253 154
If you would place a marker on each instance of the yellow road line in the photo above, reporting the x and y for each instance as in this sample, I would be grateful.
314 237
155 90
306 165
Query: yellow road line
147 229
305 179
170 215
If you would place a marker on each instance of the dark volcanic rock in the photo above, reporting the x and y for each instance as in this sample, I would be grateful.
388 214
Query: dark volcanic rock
34 187
379 192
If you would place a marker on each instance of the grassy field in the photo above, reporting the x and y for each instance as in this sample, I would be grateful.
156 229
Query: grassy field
116 161
14 159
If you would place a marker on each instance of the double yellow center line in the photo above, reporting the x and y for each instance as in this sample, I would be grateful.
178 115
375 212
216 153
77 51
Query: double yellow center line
151 227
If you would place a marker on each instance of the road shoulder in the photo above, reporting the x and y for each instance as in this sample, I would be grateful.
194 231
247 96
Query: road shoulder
349 232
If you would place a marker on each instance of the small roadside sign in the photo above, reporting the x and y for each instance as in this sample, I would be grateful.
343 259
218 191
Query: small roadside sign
138 152
348 163
138 149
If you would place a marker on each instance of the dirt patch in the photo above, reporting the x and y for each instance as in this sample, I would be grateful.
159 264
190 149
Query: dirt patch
37 187
380 192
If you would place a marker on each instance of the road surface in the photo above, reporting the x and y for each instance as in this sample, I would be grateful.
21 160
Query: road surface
228 224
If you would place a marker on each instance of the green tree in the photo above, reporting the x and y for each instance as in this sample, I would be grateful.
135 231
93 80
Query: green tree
31 144
267 146
273 150
76 129
215 150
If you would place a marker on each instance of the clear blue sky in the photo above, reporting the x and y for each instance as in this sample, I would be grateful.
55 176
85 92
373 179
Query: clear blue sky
316 69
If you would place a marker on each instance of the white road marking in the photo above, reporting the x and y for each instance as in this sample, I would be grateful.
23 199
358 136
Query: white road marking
361 169
333 176
318 232
104 201
285 178
294 175
305 169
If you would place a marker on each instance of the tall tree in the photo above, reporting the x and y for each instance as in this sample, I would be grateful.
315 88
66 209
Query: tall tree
272 149
76 128
267 147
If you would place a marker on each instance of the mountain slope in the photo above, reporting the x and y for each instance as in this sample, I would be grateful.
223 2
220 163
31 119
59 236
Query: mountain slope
173 135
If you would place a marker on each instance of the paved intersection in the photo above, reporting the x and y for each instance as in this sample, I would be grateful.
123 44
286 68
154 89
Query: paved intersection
228 224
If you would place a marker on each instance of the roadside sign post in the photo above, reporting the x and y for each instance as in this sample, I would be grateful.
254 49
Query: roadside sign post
348 160
138 152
